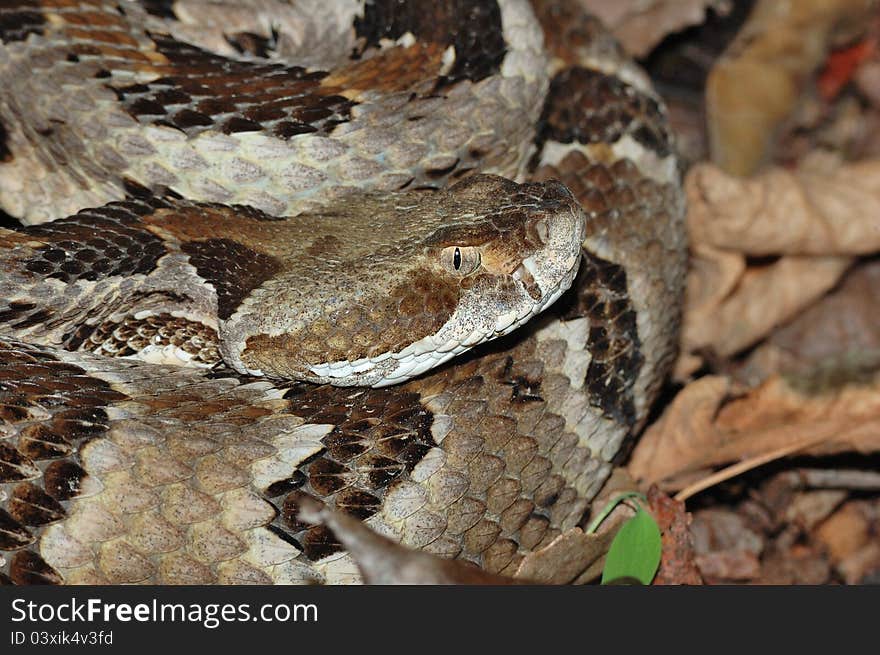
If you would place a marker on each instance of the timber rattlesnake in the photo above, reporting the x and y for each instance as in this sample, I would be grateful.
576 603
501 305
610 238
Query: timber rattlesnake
184 130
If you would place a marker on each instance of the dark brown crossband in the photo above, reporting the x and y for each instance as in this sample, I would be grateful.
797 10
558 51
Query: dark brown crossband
472 27
614 342
234 270
204 91
379 435
38 458
19 18
98 243
587 106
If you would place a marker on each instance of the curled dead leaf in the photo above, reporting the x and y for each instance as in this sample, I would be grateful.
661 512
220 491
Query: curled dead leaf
847 531
764 297
672 445
849 538
711 423
573 556
822 208
817 218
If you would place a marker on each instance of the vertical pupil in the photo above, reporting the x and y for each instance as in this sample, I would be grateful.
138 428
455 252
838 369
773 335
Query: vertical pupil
456 259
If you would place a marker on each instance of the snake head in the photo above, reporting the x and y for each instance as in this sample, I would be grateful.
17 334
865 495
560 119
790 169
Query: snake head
402 286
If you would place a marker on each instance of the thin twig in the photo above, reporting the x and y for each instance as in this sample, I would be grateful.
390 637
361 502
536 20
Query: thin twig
746 465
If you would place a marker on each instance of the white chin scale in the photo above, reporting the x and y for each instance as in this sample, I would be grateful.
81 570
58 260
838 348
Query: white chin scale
389 368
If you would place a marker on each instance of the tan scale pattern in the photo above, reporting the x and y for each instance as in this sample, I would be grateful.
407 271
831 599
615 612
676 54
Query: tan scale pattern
169 495
632 219
508 476
420 304
130 336
70 126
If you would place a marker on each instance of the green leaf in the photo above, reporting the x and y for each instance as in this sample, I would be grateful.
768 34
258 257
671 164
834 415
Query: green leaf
635 552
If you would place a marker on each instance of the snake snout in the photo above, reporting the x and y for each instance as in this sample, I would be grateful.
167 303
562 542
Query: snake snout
558 231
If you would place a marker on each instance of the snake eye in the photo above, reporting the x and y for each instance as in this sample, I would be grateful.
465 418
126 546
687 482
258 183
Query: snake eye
460 260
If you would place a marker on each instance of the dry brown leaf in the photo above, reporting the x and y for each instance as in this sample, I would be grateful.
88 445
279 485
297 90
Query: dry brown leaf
672 445
726 548
704 427
714 275
756 85
794 565
642 24
677 565
809 508
729 566
861 566
846 531
849 536
817 218
765 297
718 529
822 208
568 557
837 336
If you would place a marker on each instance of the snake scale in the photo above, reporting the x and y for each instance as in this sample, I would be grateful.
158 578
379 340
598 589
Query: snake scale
259 252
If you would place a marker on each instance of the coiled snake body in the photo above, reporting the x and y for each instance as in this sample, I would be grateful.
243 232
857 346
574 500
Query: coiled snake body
250 237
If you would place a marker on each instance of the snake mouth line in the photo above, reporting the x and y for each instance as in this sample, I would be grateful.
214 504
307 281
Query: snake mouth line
430 352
